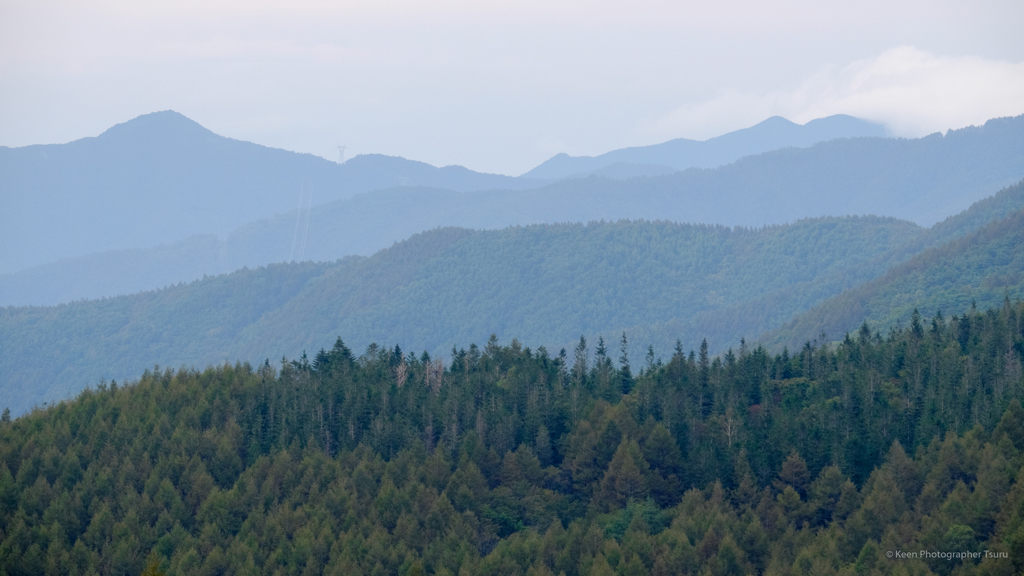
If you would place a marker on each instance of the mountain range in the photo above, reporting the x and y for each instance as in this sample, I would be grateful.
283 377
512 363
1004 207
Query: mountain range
923 180
680 154
161 177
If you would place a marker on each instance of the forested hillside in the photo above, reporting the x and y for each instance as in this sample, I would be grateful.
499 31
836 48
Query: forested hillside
453 286
512 460
656 281
1004 203
977 270
181 322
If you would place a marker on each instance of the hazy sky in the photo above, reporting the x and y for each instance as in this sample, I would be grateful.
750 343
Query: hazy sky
501 86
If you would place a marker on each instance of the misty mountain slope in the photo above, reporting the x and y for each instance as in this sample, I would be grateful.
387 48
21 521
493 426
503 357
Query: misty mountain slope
624 170
679 154
161 177
359 226
924 180
543 284
1004 203
982 268
116 272
53 352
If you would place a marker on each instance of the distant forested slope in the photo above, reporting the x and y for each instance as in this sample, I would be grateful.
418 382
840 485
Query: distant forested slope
552 283
44 350
116 272
655 281
512 460
545 283
981 269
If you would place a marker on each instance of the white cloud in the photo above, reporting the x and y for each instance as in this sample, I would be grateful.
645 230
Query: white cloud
910 91
914 93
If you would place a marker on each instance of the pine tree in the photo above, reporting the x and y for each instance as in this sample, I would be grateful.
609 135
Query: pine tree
625 376
580 361
624 479
704 397
543 445
1012 424
794 473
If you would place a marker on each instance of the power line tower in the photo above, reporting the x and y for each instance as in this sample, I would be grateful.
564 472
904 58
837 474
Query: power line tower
341 154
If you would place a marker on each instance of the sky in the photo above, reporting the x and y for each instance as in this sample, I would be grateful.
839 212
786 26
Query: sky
501 86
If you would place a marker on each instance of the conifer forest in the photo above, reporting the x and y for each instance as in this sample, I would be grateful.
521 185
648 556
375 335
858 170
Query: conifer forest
883 453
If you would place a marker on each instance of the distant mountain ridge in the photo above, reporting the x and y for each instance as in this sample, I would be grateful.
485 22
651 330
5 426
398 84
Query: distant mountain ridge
680 154
924 180
162 177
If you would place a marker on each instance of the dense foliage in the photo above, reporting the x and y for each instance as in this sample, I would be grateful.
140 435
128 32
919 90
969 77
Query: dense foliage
518 461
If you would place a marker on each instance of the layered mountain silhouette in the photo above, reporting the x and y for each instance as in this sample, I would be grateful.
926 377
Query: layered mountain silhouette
922 180
161 178
679 154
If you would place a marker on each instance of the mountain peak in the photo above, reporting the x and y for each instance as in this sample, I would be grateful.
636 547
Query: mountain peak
163 123
775 121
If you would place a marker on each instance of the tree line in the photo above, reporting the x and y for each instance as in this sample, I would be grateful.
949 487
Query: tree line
503 459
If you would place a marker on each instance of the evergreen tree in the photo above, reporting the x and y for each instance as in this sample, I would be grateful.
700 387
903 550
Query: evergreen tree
625 376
